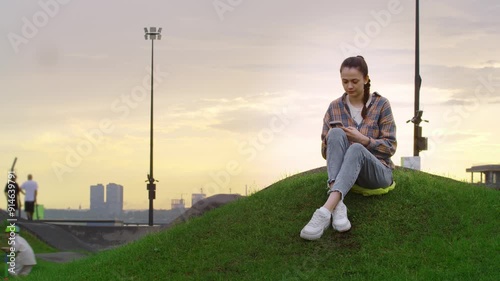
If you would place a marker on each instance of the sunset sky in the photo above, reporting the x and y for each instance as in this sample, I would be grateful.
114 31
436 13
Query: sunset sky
240 93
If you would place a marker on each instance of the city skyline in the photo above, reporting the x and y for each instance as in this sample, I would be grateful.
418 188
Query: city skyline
110 201
241 88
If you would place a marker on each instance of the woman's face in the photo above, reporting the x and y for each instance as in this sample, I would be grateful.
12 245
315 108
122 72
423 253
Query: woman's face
353 81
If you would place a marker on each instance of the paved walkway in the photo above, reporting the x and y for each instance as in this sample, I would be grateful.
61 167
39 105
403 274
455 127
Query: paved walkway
56 237
60 257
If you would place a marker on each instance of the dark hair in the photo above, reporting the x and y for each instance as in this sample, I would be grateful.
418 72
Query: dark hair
360 64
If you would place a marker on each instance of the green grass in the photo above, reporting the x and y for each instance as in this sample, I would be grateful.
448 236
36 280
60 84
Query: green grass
428 228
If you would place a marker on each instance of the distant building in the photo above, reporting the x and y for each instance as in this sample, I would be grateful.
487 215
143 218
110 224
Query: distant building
195 197
114 199
97 198
491 175
177 204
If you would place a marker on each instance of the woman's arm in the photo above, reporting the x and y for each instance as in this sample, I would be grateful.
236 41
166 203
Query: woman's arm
384 146
324 132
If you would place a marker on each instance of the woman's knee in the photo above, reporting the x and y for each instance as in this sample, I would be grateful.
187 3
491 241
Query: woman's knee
335 135
355 149
356 146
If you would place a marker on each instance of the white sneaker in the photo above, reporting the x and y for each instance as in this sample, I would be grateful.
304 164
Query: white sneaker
318 223
340 222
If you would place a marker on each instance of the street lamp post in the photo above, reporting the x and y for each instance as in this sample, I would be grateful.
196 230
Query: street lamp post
419 142
151 186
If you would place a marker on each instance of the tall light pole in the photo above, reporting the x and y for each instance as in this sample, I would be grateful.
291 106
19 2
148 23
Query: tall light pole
151 186
418 81
419 142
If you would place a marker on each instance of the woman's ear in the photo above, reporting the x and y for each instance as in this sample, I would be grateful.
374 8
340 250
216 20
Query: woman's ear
367 78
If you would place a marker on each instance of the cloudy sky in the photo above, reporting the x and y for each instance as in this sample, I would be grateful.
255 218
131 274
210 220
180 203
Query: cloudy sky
241 87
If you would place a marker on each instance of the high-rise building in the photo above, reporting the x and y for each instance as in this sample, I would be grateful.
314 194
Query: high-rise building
114 199
97 198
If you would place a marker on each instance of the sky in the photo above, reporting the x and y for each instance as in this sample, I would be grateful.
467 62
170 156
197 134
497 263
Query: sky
240 89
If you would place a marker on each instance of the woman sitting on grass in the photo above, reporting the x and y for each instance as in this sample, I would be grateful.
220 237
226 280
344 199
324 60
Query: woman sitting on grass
359 138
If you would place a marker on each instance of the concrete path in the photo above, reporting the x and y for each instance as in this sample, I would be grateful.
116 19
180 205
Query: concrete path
56 236
60 257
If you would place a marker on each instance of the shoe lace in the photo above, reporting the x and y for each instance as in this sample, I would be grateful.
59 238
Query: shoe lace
317 219
339 211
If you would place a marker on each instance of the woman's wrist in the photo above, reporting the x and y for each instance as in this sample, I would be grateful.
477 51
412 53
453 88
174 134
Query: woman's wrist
366 141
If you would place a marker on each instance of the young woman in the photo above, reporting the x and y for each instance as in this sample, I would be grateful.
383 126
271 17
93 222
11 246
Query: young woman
359 138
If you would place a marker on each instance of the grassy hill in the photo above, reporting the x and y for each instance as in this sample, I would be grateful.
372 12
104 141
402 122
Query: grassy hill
428 228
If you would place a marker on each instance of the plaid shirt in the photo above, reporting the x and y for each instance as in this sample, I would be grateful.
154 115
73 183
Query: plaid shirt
378 125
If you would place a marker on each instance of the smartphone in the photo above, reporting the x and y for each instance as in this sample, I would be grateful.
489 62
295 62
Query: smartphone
336 124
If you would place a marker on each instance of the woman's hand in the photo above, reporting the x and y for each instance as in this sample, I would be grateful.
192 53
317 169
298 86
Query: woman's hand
353 135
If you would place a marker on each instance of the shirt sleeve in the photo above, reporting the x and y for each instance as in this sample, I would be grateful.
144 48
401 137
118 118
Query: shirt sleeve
324 132
385 145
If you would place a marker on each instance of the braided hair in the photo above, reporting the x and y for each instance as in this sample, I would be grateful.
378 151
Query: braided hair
359 63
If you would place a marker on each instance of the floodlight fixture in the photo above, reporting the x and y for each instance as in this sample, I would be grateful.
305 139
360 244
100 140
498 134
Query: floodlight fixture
152 33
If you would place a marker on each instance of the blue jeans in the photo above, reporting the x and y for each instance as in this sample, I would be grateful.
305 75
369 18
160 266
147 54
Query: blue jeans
352 163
